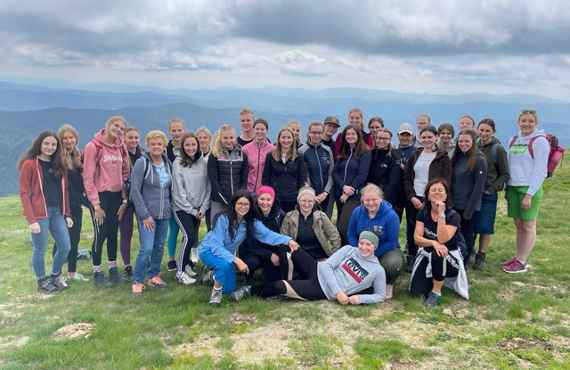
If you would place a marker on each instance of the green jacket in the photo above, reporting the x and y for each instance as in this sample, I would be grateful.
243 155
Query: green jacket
326 232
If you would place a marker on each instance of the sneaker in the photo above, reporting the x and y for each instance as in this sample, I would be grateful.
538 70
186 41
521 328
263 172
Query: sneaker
479 261
432 299
216 297
46 286
190 271
241 293
128 272
156 282
515 267
172 265
78 277
137 289
389 291
59 282
185 279
99 278
114 276
506 263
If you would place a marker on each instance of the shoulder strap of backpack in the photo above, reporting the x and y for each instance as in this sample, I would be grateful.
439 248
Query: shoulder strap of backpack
531 143
513 140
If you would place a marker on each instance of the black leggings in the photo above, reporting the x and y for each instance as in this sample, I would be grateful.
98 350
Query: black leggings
110 203
343 217
411 215
468 232
270 271
74 237
309 288
190 226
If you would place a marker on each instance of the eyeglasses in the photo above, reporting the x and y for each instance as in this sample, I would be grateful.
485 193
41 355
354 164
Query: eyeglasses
315 132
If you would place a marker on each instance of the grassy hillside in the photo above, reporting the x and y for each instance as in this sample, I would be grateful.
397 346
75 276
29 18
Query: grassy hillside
520 321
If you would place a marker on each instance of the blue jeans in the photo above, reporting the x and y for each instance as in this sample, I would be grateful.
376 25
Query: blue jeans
55 224
224 271
151 250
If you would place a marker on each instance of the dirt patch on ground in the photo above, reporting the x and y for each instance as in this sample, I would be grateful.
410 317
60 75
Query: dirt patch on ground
11 342
524 343
74 331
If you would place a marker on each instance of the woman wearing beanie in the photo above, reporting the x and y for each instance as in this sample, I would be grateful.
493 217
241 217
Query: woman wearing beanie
340 277
311 228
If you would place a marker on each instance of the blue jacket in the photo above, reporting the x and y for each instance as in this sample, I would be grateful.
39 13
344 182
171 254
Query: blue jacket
352 171
221 244
319 160
386 225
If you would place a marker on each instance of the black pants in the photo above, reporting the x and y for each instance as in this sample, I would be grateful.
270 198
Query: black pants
392 262
343 218
441 267
270 271
411 215
468 232
74 237
110 203
306 288
190 226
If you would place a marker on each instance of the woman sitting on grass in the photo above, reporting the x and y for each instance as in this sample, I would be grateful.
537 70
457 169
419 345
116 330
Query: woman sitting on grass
218 249
439 257
342 276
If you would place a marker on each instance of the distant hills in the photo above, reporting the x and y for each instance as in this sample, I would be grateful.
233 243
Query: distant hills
25 110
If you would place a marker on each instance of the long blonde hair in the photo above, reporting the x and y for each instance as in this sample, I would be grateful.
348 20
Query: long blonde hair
71 159
217 148
277 153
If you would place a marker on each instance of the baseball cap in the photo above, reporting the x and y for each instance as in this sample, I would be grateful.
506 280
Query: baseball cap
405 127
331 120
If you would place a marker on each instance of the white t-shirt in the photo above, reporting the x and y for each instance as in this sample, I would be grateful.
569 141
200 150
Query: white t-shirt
421 172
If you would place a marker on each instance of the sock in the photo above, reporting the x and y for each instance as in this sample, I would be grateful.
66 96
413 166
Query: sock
112 264
436 293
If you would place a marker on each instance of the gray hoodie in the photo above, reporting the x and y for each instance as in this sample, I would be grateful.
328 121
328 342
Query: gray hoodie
526 170
148 196
349 272
191 186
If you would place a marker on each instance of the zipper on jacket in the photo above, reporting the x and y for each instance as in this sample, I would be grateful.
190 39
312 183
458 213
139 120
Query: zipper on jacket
346 166
231 174
320 167
257 169
41 185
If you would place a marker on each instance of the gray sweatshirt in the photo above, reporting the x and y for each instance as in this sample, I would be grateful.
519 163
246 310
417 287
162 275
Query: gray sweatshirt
147 194
526 170
346 270
191 186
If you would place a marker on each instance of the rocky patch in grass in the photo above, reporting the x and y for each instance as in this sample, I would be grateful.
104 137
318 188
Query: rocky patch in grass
11 342
74 331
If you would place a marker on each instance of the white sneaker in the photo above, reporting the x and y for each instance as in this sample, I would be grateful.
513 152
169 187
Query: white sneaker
189 271
183 278
389 291
78 277
216 297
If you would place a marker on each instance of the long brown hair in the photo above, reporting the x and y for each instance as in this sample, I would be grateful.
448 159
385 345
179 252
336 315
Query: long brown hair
472 153
56 162
71 159
185 159
278 151
359 148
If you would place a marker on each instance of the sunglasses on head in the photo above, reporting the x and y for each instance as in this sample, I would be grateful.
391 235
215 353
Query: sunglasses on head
528 111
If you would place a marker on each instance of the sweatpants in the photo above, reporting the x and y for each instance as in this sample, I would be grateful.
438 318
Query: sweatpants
411 215
74 237
172 237
344 213
392 262
110 203
308 288
126 231
189 225
468 232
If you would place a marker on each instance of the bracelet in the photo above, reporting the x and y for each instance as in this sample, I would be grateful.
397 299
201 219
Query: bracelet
125 201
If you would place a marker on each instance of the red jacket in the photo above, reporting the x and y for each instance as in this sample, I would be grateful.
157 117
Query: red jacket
32 193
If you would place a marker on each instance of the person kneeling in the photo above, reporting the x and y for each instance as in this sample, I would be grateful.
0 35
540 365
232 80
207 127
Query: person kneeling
344 274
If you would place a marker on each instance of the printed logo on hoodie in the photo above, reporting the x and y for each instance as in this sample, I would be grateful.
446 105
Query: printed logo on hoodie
353 268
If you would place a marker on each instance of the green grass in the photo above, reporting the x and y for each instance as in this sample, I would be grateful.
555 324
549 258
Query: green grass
511 322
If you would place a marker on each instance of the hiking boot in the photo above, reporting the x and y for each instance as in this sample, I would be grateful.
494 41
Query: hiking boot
506 263
114 276
184 279
216 297
99 278
156 282
59 282
241 293
190 271
172 265
46 286
479 261
137 289
432 299
515 267
128 272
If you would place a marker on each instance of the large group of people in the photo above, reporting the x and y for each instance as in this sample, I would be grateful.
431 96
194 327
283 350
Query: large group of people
269 205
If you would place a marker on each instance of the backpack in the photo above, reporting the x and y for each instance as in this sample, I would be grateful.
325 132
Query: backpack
556 151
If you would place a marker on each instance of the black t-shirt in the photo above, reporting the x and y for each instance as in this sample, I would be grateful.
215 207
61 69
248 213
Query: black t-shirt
430 226
329 143
52 186
243 142
307 239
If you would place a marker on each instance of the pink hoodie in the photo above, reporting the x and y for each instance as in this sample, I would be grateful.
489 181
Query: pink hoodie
105 167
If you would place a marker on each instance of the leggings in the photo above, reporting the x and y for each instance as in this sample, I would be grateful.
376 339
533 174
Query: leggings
308 288
392 262
189 225
74 237
110 203
172 237
126 231
344 213
270 271
468 232
411 215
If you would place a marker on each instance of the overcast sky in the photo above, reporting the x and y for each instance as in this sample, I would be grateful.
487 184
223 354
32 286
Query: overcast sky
409 46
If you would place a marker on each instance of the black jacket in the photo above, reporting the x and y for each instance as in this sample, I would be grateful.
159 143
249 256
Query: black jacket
468 185
285 178
386 173
352 171
439 168
227 174
273 222
319 161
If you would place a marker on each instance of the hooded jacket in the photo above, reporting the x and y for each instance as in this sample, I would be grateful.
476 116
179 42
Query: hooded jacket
256 156
326 233
105 167
523 168
34 204
386 226
497 165
440 167
320 165
348 271
468 185
148 196
191 187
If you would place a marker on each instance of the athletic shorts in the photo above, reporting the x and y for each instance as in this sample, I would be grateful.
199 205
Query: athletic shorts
484 219
515 194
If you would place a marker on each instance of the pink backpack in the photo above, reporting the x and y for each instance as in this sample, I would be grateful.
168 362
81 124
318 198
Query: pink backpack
556 151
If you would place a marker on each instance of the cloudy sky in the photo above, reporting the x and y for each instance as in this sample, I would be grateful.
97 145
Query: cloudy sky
419 46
